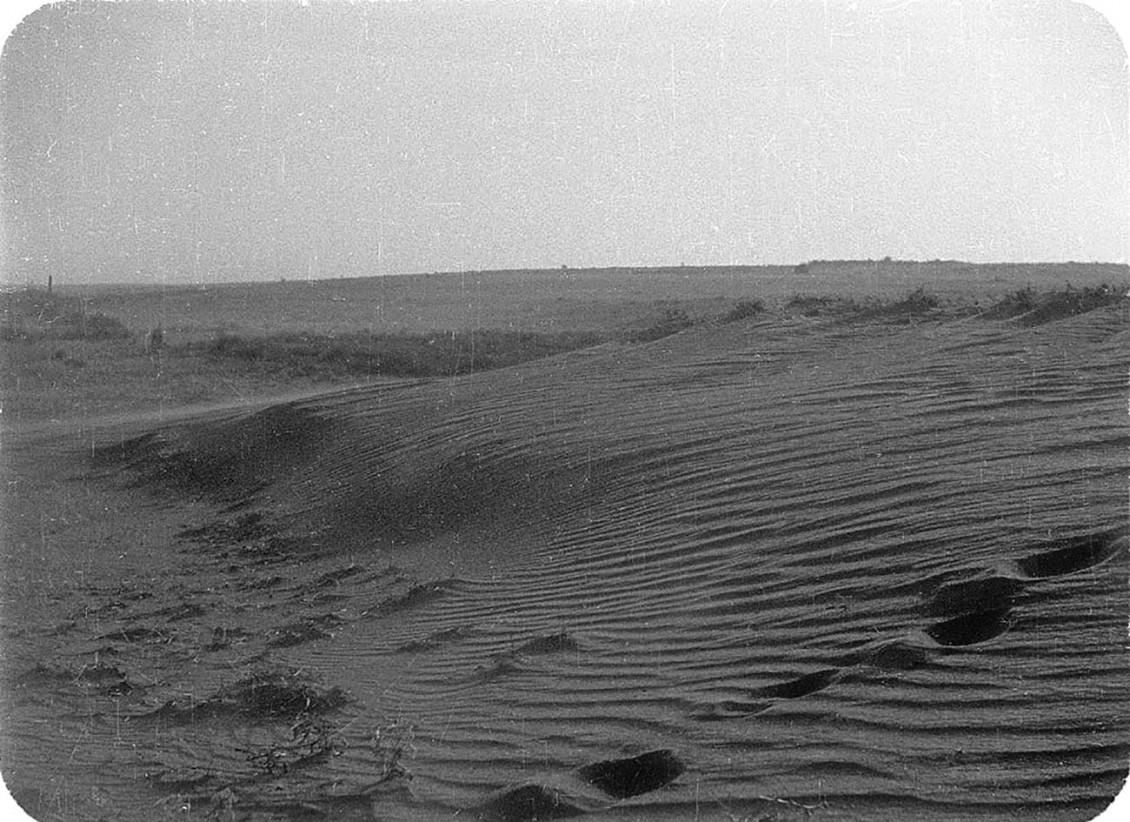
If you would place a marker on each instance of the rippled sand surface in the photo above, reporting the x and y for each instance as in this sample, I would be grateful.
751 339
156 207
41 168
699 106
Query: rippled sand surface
772 569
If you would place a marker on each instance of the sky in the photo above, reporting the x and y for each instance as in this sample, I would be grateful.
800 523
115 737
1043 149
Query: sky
216 141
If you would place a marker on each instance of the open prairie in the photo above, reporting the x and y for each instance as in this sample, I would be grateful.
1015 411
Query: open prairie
857 551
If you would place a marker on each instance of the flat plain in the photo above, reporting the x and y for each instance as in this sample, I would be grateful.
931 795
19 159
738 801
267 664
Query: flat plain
843 541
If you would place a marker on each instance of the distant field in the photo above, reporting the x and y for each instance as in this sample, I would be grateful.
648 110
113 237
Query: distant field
233 342
596 300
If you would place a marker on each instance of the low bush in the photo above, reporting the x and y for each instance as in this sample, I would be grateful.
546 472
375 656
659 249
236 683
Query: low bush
917 304
1033 309
743 310
1018 302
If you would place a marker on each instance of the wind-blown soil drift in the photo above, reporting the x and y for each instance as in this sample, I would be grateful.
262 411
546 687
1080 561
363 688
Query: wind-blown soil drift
886 563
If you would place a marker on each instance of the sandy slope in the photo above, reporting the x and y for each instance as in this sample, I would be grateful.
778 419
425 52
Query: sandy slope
849 571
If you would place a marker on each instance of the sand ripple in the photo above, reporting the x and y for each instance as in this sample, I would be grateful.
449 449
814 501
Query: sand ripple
881 571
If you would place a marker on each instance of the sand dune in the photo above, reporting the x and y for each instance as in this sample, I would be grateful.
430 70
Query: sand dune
783 567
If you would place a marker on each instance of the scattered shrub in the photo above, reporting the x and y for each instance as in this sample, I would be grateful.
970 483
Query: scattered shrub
743 310
34 314
1019 302
394 355
1035 309
918 303
915 305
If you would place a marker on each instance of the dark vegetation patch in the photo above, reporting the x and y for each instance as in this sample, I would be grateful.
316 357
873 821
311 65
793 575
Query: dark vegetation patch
625 778
970 629
400 354
259 697
1018 302
311 742
1034 308
743 310
32 314
915 306
1073 555
918 304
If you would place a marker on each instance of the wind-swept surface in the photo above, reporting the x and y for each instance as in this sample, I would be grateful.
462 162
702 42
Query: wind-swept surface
783 566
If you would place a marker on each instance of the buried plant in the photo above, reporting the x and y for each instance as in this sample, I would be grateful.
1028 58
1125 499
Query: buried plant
312 741
261 696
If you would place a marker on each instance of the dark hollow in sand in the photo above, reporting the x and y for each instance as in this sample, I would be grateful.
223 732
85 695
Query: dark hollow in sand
801 686
526 803
554 643
969 629
624 778
893 656
1074 555
973 596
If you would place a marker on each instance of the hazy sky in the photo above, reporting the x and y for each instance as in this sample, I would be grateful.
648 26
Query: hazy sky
217 141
